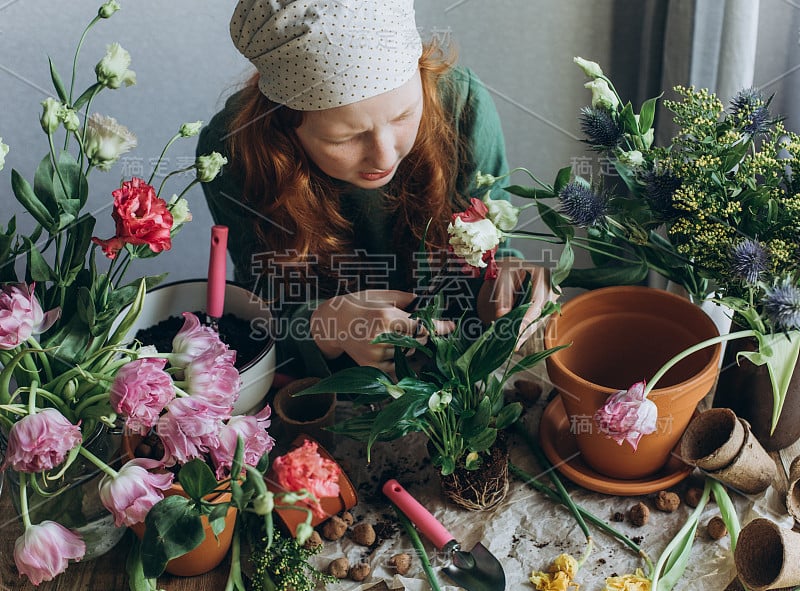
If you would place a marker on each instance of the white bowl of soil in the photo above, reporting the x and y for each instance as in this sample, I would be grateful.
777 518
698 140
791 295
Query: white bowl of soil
244 327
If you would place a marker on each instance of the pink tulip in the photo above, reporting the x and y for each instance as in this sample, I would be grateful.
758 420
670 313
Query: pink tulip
257 442
192 340
304 468
44 550
40 441
140 391
189 429
628 415
212 376
21 315
134 491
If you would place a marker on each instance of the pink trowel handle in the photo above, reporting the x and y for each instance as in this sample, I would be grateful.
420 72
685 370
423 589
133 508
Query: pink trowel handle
419 515
217 262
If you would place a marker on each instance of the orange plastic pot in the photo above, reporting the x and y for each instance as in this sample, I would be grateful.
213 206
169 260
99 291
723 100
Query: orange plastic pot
620 336
347 499
212 550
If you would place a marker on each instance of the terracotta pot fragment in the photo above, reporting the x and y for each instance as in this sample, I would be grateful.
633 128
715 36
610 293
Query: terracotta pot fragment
767 556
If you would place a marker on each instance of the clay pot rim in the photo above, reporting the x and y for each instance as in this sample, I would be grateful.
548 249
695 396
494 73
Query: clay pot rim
706 373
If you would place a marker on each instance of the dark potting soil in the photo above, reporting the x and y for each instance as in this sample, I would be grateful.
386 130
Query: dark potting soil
234 332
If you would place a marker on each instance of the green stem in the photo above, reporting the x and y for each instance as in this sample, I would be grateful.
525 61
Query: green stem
32 397
77 52
186 190
235 581
58 173
417 543
23 500
591 517
694 349
160 158
100 464
48 371
101 397
533 177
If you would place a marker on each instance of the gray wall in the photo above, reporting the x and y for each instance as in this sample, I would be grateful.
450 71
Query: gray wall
185 63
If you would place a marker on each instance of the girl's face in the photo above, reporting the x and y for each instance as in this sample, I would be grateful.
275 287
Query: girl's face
363 143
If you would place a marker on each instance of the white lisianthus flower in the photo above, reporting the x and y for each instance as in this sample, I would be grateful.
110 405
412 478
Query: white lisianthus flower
504 215
484 180
112 71
591 69
191 129
106 141
70 119
602 95
632 158
109 8
439 400
179 208
648 137
208 166
3 152
50 119
471 239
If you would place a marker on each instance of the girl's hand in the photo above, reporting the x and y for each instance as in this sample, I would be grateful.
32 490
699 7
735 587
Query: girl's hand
499 296
349 323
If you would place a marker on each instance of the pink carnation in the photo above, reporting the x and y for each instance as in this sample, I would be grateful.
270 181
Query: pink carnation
21 315
134 491
257 442
628 415
140 391
189 429
192 340
303 468
45 549
40 441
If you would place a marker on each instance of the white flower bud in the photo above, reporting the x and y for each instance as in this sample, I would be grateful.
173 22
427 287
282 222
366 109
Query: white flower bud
591 69
484 180
3 152
208 166
106 141
109 8
112 71
439 400
191 129
504 215
50 119
471 239
632 158
602 95
70 119
303 532
648 137
179 208
264 503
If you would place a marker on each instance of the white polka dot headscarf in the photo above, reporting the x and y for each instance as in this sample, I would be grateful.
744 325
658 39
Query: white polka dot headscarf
319 54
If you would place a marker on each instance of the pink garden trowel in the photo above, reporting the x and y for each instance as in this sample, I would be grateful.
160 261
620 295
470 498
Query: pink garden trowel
217 272
476 570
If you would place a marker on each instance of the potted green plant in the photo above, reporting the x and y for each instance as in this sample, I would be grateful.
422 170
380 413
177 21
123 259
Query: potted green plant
456 399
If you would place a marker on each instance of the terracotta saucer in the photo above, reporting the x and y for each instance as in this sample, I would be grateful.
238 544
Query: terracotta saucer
560 448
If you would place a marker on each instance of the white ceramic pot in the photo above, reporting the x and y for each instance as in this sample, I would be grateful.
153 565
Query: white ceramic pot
172 299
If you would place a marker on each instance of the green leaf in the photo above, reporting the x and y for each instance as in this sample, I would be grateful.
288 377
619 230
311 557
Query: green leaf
403 341
87 94
79 240
37 268
352 380
620 274
70 196
629 119
493 347
727 511
734 155
530 360
564 266
172 528
470 427
529 192
43 185
197 479
483 441
25 195
134 568
562 179
508 416
678 559
647 114
409 406
57 84
779 352
448 465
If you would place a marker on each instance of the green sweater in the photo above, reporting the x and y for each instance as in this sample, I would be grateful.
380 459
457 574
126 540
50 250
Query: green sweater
477 124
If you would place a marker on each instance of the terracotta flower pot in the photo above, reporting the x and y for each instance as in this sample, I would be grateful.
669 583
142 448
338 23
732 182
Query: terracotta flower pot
308 415
212 550
620 336
347 499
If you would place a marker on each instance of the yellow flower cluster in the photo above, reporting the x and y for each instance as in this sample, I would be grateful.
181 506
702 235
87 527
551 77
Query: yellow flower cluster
634 582
559 577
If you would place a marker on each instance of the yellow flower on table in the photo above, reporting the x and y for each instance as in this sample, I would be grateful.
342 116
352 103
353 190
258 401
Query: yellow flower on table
559 577
634 582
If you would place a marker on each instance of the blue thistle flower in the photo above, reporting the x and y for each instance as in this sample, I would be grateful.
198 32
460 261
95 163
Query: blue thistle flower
782 305
660 185
751 111
749 259
583 206
602 131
